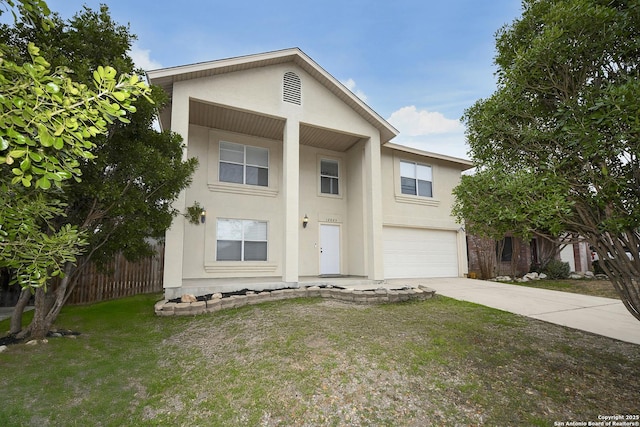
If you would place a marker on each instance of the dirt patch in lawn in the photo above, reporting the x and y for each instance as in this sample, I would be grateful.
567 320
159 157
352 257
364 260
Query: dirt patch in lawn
439 362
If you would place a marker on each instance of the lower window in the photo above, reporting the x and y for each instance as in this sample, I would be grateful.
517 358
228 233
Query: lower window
241 240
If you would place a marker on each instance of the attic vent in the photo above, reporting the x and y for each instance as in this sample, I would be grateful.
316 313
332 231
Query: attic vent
291 88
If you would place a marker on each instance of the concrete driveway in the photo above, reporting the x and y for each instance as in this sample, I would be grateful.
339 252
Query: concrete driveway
602 316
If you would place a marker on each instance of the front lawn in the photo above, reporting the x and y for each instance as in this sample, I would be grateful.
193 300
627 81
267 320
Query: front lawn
598 288
314 362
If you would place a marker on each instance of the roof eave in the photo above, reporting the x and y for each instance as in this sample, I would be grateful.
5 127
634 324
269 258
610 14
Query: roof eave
165 78
464 164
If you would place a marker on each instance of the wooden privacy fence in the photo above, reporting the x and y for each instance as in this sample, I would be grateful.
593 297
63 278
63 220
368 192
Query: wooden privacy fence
120 279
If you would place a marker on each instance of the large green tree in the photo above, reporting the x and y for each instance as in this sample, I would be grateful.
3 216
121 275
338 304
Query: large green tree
46 122
493 203
124 199
566 111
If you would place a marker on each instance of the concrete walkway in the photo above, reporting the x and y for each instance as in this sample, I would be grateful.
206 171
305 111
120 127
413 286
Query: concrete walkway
602 316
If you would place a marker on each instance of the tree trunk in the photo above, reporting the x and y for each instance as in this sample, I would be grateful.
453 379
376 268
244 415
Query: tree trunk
622 267
515 257
61 295
48 306
627 287
499 251
486 255
18 310
37 329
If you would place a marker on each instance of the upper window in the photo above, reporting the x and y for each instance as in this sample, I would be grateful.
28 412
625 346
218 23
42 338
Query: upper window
241 240
292 88
329 176
244 164
416 179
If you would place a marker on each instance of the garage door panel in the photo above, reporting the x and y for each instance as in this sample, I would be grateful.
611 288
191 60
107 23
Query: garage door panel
412 252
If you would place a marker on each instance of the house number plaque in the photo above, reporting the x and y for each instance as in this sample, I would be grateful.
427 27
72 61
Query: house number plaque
333 219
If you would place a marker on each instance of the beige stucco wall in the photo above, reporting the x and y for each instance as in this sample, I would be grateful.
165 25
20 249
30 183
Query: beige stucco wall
234 201
420 212
259 91
225 200
369 186
320 208
405 210
356 218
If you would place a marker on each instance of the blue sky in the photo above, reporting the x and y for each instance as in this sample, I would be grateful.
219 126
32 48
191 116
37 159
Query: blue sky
418 63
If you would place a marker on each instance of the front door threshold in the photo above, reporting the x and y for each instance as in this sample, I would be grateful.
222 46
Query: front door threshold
331 276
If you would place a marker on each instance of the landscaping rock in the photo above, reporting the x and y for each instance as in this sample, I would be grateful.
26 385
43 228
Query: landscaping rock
213 302
182 308
346 295
214 305
188 298
313 291
429 293
290 293
325 293
198 307
159 305
3 348
169 308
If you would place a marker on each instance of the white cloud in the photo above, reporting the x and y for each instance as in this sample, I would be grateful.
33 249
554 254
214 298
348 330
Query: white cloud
351 85
142 58
429 131
411 122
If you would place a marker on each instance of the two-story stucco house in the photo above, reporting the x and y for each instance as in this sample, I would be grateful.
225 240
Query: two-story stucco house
298 179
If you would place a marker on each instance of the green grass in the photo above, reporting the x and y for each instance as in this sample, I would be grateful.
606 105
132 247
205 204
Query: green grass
315 362
598 288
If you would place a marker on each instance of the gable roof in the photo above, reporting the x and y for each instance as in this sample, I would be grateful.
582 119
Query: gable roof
166 77
462 164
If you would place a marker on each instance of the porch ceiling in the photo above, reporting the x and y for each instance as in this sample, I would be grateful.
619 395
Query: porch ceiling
238 121
326 138
220 117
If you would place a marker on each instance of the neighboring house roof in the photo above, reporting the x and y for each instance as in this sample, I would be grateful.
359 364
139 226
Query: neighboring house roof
463 164
166 77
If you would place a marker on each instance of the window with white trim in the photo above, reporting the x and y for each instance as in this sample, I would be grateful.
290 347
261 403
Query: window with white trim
241 240
329 176
244 164
416 179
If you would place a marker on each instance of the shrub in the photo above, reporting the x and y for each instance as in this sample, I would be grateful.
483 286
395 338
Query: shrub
557 269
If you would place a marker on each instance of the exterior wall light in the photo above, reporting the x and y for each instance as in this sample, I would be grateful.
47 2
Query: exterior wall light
305 221
203 216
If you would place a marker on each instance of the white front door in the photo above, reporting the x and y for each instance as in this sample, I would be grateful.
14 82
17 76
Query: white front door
329 249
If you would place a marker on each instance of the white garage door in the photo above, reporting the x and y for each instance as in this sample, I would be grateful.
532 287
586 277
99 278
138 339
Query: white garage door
410 252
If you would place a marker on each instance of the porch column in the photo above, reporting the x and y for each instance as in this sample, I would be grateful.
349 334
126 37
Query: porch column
463 262
174 236
373 208
291 185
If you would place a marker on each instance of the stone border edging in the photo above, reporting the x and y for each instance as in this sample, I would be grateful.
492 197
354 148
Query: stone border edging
218 302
